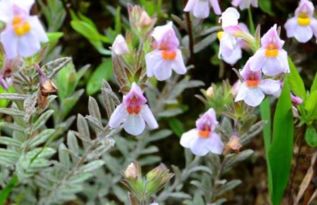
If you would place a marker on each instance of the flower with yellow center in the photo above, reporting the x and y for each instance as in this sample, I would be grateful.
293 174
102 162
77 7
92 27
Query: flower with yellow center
271 51
20 26
303 19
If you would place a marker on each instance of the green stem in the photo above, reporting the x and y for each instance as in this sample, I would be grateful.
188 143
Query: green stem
251 23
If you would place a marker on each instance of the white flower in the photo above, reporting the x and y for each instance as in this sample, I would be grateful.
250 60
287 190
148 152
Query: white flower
253 89
244 4
203 138
23 33
166 56
133 113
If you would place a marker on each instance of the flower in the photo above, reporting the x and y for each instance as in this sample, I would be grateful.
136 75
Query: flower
23 33
166 55
253 88
230 45
244 4
200 8
271 58
133 113
120 46
203 138
303 25
234 143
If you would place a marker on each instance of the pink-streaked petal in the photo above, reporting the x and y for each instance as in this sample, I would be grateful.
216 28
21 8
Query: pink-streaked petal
10 43
188 138
215 144
254 97
179 65
23 4
190 5
215 6
118 116
149 117
165 36
201 9
305 6
290 26
134 125
303 33
272 37
270 87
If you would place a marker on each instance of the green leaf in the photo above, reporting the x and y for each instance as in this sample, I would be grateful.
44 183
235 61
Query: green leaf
295 81
66 81
314 85
311 106
311 136
103 72
281 148
177 126
4 193
54 36
265 5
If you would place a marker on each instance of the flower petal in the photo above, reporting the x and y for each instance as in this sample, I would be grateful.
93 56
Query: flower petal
215 144
215 6
271 87
179 65
10 43
303 33
37 29
201 9
134 125
188 138
149 117
290 26
189 6
118 116
242 92
254 97
28 45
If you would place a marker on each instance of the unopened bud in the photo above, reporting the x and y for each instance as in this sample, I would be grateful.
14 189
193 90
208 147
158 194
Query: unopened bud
132 171
234 143
120 46
296 100
210 91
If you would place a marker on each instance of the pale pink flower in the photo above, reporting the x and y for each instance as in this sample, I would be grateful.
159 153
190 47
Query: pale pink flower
244 4
133 113
203 138
303 25
229 44
23 33
200 8
235 88
271 58
119 46
253 88
166 55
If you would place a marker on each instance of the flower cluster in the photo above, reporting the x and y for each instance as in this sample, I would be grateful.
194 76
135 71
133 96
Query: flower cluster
270 60
133 113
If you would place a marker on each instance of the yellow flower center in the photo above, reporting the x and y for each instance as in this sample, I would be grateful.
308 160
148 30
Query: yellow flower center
271 51
220 35
168 55
303 19
20 26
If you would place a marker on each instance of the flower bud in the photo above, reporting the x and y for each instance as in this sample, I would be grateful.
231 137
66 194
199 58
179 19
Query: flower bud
210 91
120 46
296 100
140 21
234 143
158 178
132 171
